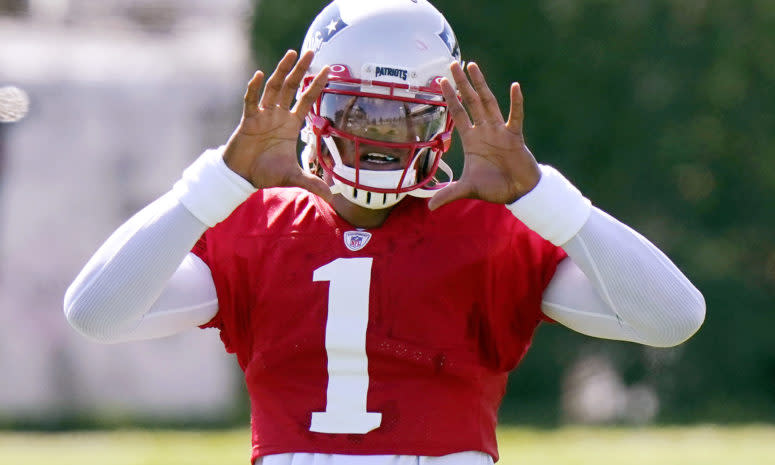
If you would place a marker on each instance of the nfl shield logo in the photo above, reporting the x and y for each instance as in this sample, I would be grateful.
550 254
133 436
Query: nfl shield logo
356 240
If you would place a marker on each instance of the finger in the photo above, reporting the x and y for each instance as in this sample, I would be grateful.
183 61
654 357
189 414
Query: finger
459 114
455 190
489 102
293 80
470 97
251 95
308 97
313 184
516 112
275 82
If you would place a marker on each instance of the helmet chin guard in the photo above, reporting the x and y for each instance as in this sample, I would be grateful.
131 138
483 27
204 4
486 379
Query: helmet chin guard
376 200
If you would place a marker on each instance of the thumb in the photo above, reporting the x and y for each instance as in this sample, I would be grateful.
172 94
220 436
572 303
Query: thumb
313 184
454 191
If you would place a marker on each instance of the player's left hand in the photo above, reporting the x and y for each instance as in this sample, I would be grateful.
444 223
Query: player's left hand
498 167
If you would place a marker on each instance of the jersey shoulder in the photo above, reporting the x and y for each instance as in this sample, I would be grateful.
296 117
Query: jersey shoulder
481 217
478 218
270 211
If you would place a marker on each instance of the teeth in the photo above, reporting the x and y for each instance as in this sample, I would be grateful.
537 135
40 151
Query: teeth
379 158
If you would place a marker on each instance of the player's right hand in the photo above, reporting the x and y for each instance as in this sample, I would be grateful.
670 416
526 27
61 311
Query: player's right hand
263 147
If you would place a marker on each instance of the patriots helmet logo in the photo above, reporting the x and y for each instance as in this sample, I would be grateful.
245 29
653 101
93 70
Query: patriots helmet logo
327 24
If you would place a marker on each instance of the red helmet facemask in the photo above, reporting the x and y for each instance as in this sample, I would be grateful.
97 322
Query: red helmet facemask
392 137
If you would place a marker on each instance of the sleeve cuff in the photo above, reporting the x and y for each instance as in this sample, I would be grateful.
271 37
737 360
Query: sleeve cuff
554 209
210 190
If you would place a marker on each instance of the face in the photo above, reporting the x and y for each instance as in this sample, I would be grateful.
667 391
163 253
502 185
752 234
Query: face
380 120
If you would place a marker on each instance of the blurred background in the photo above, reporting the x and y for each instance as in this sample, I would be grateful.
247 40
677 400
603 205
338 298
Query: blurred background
660 111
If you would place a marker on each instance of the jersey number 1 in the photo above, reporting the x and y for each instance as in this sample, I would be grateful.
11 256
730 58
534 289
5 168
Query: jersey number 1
348 367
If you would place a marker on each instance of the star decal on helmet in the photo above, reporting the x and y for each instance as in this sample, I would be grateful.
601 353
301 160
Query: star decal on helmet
324 28
332 26
450 41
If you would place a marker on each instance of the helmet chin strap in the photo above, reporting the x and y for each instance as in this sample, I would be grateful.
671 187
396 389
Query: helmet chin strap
427 193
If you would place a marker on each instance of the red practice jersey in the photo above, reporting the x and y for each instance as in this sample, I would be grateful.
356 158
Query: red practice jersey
393 340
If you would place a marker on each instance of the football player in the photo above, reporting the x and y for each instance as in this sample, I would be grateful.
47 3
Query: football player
375 305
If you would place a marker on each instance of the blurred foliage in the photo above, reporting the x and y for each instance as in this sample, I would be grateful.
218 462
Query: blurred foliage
661 111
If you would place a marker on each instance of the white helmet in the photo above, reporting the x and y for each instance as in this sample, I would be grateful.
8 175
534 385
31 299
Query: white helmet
383 106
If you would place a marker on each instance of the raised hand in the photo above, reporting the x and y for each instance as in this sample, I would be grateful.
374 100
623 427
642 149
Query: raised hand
498 166
263 147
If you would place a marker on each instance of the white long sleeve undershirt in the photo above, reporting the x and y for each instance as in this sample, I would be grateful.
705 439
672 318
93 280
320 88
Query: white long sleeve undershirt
618 285
143 282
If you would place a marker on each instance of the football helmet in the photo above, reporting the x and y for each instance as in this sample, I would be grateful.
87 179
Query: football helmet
381 125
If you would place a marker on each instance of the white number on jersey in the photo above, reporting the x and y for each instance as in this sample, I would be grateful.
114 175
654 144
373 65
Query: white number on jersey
348 367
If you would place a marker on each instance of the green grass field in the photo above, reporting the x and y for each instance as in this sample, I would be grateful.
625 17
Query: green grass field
704 445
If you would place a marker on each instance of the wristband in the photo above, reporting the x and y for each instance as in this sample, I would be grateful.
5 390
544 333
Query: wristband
210 190
554 208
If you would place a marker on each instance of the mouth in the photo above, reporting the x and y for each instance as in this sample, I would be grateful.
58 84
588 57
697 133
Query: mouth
379 161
